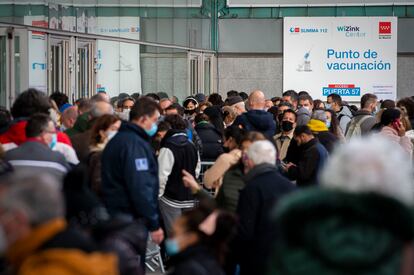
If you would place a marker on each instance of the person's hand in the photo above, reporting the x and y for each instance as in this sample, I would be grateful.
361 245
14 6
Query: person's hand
401 130
288 166
190 182
157 236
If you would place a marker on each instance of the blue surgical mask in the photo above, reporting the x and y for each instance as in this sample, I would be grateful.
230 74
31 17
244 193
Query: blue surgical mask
151 132
53 142
171 247
328 106
328 124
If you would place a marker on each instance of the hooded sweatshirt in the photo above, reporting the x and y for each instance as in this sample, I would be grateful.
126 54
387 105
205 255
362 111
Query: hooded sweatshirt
344 117
257 120
303 116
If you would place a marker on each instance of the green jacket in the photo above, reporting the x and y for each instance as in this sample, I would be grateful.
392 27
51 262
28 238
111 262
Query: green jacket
228 196
326 232
81 125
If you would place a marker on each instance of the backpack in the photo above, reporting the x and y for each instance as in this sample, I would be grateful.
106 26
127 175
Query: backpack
354 129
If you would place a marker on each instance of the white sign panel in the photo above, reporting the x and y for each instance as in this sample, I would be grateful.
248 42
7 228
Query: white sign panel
349 56
37 53
118 63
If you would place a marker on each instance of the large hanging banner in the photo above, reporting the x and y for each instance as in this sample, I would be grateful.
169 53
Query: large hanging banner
349 56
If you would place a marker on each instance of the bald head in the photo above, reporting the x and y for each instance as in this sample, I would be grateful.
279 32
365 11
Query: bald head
69 117
257 100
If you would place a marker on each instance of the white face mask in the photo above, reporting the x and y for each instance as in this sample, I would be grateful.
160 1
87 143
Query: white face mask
3 241
110 134
124 115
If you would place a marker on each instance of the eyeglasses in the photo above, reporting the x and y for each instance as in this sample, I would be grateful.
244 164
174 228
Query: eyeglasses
50 131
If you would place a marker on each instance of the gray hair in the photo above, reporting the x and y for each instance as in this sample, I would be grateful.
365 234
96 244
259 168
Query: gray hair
371 164
262 151
319 115
100 108
39 197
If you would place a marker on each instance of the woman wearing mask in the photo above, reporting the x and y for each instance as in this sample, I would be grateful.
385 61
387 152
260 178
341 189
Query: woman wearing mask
199 242
103 130
332 123
190 107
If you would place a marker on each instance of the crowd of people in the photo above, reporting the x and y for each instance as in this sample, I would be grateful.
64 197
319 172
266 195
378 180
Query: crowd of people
247 185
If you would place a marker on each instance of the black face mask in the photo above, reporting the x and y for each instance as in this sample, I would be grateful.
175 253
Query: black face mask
226 149
287 126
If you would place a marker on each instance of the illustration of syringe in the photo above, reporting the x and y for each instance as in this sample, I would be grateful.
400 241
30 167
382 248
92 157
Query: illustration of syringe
305 65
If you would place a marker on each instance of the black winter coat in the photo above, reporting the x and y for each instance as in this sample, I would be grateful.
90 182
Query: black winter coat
265 186
312 159
195 260
130 181
128 240
212 141
259 121
327 139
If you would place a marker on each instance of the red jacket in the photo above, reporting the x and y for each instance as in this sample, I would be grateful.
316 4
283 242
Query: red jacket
16 135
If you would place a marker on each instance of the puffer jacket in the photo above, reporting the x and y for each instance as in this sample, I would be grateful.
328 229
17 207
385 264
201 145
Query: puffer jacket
259 121
328 232
211 139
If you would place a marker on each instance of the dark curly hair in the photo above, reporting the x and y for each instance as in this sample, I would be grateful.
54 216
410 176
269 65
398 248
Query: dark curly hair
408 104
30 102
176 122
59 98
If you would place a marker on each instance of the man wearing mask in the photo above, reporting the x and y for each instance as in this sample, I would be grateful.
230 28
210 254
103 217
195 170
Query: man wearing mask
130 181
305 109
35 155
364 119
343 112
126 105
283 139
